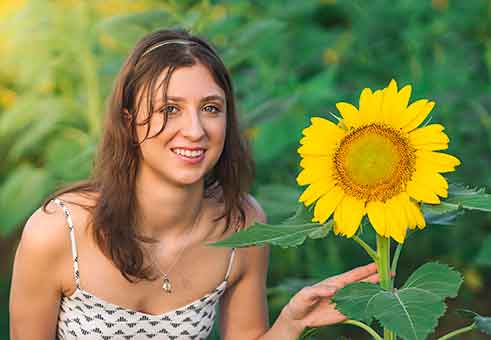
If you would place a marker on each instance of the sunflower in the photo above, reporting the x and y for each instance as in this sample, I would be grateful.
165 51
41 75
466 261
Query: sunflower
376 161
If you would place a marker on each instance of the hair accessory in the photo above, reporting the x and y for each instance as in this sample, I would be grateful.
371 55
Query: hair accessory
168 42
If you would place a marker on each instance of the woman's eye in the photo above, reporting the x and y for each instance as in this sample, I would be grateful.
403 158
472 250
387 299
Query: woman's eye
169 109
211 109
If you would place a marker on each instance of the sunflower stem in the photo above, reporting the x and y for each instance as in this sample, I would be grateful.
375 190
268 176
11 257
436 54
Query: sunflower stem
395 259
383 252
370 251
364 326
458 332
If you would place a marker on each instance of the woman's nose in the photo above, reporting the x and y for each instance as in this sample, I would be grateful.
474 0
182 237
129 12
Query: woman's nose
192 127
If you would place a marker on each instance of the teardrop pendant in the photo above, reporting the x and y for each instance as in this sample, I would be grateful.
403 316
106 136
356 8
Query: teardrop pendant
166 285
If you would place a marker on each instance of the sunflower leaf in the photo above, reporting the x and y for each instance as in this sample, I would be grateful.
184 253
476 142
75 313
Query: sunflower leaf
283 235
467 198
412 312
436 278
353 300
483 323
290 233
459 197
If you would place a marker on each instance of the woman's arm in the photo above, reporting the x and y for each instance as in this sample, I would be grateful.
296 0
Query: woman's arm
244 306
243 309
36 285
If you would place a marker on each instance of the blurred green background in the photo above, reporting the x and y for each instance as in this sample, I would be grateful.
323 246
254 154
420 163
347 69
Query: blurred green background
289 60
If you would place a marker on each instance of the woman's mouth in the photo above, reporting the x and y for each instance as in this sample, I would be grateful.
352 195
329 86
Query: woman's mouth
190 155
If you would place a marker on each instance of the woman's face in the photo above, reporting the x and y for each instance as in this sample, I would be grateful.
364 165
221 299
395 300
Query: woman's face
193 138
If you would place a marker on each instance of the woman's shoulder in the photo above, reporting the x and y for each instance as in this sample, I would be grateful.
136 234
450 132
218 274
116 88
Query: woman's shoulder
46 232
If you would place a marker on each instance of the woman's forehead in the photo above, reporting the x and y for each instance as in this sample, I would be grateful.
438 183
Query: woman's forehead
189 83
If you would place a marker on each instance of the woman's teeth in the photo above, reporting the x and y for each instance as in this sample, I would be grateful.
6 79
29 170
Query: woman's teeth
188 153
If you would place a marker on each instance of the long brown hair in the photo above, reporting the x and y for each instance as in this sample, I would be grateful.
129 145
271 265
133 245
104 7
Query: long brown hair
114 214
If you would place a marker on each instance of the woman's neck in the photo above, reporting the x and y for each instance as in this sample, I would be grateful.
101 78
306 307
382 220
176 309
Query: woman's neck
166 210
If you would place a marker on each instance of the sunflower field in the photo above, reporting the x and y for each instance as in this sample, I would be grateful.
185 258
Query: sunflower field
290 61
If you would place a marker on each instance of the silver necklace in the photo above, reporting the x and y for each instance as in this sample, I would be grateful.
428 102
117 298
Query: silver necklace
166 282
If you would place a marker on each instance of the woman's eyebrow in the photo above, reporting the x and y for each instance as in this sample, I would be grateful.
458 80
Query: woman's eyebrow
204 99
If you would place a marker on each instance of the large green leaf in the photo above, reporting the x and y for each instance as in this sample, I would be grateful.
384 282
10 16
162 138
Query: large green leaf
459 197
412 312
279 235
291 233
467 198
436 278
353 300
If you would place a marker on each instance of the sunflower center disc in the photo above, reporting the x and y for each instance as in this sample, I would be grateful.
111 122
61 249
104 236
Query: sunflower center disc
374 162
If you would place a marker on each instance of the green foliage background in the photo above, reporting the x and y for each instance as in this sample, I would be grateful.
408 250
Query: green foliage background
290 60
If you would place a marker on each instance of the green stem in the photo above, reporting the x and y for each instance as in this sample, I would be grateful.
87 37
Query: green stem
395 259
372 253
458 331
365 327
383 252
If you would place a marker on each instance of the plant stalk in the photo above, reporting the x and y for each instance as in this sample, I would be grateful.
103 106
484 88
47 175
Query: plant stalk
395 259
383 252
364 326
458 332
372 253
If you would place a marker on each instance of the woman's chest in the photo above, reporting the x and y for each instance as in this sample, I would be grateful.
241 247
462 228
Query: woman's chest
197 273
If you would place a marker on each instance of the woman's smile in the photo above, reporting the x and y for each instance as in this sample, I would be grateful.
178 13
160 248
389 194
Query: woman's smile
189 155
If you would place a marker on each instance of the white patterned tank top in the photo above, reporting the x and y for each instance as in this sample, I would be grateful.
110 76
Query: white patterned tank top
85 316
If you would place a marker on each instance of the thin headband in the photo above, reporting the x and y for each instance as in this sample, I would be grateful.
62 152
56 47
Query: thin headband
168 42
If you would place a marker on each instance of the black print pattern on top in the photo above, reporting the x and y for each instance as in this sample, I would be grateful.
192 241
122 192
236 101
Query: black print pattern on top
85 316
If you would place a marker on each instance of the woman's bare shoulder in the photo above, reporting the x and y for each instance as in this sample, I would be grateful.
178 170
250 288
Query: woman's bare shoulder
46 231
45 235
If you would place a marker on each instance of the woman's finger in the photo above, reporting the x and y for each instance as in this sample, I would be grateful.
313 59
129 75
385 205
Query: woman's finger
372 279
313 293
356 274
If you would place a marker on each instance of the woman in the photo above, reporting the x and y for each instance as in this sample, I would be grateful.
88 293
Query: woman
124 255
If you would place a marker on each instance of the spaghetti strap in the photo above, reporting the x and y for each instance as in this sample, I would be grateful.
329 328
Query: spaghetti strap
230 262
68 217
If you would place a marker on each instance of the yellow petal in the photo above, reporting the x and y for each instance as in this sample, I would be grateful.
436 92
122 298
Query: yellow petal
411 112
316 190
420 192
350 114
432 147
366 104
327 203
315 169
320 138
396 219
401 106
376 215
416 215
374 107
348 215
437 161
389 103
430 134
419 117
405 201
